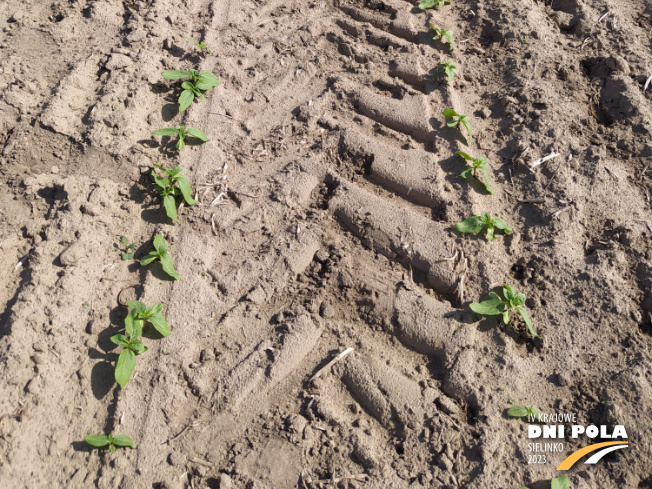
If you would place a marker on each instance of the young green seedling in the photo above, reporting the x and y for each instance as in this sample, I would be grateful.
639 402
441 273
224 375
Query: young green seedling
441 34
113 442
152 315
531 413
201 45
198 83
562 482
173 186
128 249
496 305
449 69
181 131
476 164
474 224
462 120
160 252
433 3
131 346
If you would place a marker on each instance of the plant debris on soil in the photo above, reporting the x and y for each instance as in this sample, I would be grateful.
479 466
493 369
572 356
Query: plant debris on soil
321 334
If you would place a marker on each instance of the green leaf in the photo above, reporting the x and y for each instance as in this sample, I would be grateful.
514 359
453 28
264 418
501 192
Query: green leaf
170 207
161 182
127 256
207 80
450 113
471 224
490 231
506 316
452 123
176 74
449 35
523 487
168 267
97 440
500 224
185 99
427 4
462 153
160 324
186 191
159 243
120 340
138 327
123 441
534 412
518 411
487 308
466 173
486 185
463 120
519 299
124 367
562 482
523 312
137 305
181 145
129 325
137 346
197 133
151 256
158 307
168 131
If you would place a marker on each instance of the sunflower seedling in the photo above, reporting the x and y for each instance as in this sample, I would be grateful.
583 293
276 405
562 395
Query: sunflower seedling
433 3
442 34
201 45
131 346
181 131
462 120
474 224
448 68
476 164
199 82
139 315
530 413
173 186
128 249
160 252
496 306
113 442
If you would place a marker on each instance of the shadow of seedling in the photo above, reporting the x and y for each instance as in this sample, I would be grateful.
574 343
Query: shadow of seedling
102 378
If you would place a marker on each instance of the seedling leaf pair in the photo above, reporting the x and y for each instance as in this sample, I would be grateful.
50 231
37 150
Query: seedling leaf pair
201 45
474 224
449 68
199 82
128 249
160 252
476 164
562 482
462 120
181 131
113 442
139 315
433 3
531 413
173 186
496 306
442 34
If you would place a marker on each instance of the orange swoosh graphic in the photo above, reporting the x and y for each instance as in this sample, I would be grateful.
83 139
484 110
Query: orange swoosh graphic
574 457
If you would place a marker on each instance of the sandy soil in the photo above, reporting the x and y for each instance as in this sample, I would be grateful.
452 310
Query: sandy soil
334 230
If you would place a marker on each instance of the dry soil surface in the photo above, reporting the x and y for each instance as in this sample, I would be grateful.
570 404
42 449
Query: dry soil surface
327 196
